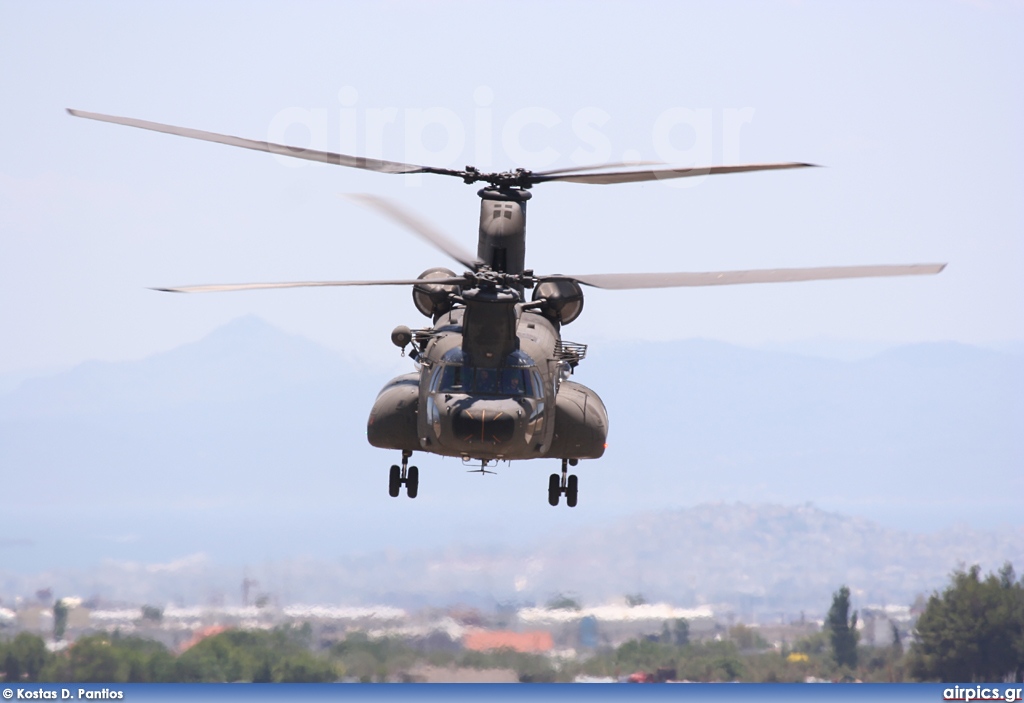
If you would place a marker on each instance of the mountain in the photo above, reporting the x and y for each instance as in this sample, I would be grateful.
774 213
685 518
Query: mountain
760 562
770 558
250 445
243 360
919 435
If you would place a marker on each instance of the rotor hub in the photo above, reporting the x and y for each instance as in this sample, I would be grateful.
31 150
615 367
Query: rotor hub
520 178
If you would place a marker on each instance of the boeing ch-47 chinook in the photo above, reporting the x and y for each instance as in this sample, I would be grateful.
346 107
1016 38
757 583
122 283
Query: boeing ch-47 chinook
493 382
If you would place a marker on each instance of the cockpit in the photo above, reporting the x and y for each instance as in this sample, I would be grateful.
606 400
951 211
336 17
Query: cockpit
517 376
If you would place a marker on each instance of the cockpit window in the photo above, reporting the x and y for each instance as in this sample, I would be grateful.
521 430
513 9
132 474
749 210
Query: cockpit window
486 381
516 382
454 379
518 377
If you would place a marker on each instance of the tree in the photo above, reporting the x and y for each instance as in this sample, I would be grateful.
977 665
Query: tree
93 660
60 619
897 640
370 659
278 655
281 654
563 601
103 658
747 638
972 631
842 629
644 654
23 658
676 632
152 614
305 668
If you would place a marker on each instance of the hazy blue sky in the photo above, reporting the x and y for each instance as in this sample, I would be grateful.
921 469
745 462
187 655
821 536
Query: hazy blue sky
915 108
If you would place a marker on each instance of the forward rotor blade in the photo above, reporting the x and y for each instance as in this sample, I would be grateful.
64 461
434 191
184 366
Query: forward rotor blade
225 287
526 179
597 167
627 281
326 157
413 223
660 174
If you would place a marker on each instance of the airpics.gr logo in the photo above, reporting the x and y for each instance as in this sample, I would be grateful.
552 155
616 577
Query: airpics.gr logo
527 136
982 693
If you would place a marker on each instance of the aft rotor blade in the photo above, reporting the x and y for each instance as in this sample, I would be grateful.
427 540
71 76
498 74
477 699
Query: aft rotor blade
420 227
627 281
226 287
661 174
326 157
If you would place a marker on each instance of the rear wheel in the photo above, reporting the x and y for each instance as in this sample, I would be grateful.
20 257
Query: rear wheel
571 490
394 481
412 482
554 489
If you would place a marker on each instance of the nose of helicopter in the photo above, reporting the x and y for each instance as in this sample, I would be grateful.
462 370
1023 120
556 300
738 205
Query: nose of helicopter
487 422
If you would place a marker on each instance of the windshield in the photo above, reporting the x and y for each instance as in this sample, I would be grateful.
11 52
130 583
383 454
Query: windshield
466 379
516 378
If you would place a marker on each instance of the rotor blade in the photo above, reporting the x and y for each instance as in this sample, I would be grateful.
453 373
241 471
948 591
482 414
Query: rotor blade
597 167
225 287
661 174
326 157
627 281
406 218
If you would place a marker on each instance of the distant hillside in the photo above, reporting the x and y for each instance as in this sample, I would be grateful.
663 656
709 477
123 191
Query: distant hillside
246 359
770 557
760 562
250 445
749 559
931 432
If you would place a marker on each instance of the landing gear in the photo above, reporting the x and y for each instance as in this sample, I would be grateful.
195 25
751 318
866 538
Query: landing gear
405 474
564 485
571 491
394 482
412 482
554 489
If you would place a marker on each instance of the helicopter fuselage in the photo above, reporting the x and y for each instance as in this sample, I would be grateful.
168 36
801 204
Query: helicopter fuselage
493 379
462 404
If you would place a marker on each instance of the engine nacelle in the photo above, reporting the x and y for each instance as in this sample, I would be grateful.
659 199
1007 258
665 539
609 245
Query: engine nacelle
392 423
563 300
434 299
581 423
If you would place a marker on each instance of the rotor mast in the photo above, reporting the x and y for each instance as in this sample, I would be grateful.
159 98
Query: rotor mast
502 237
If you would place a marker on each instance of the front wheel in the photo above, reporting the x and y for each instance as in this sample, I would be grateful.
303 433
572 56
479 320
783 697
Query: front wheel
394 481
412 482
571 490
554 489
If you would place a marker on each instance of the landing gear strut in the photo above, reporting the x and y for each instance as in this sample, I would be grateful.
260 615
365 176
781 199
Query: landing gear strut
404 475
567 485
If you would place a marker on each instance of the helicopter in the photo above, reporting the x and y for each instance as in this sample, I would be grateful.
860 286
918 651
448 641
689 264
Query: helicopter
493 381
